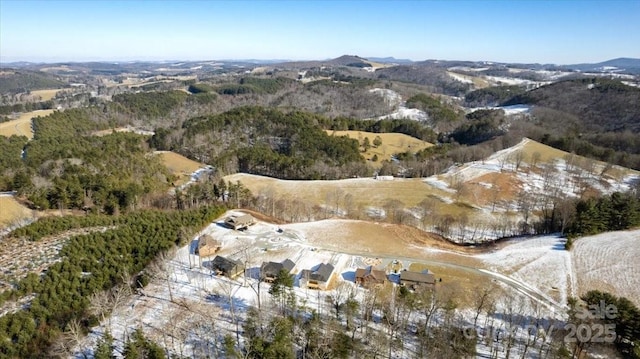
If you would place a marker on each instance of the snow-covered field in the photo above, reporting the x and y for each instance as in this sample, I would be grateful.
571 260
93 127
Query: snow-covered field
609 261
540 262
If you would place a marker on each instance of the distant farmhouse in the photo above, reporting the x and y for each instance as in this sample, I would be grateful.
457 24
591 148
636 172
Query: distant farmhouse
240 222
417 280
270 270
369 277
318 278
227 267
207 246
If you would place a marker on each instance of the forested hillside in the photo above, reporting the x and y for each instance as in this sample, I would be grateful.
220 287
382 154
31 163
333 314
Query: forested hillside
23 81
435 78
597 118
599 105
269 142
64 166
101 264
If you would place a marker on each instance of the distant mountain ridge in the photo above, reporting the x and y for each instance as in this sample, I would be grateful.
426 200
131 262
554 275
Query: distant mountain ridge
621 64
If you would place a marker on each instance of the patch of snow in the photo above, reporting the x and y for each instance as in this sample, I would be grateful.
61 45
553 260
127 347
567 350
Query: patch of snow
460 78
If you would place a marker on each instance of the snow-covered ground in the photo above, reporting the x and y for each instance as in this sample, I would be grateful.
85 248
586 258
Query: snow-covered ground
195 176
185 301
395 101
609 261
508 110
459 77
540 262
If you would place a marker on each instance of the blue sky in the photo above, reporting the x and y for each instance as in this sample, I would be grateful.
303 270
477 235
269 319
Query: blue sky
560 32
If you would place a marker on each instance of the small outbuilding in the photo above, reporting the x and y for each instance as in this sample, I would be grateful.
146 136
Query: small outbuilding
270 270
318 278
240 222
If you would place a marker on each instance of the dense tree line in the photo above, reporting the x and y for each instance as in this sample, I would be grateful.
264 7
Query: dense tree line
92 263
624 152
47 226
608 213
482 125
10 159
616 313
150 104
26 107
438 112
626 320
434 78
598 104
254 85
65 166
23 81
269 142
405 126
492 96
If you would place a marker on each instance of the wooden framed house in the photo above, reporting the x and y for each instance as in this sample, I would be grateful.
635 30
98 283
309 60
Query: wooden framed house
270 270
316 278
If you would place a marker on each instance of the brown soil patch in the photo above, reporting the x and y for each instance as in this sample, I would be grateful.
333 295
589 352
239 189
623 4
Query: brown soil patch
360 237
263 217
463 285
490 187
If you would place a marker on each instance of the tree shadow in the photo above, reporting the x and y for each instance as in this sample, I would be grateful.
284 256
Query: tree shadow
253 273
349 276
560 245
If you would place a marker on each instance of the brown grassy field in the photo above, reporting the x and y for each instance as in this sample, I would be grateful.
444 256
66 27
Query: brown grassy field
365 191
392 143
179 165
11 211
45 95
547 154
478 82
22 125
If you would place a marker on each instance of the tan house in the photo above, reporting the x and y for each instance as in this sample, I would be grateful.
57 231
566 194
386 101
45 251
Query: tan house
207 246
415 280
316 278
240 222
369 277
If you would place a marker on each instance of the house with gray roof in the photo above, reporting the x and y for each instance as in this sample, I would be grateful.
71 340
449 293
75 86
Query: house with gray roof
316 278
270 270
226 266
416 280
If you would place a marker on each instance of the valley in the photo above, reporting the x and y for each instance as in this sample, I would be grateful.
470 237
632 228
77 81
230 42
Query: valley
517 207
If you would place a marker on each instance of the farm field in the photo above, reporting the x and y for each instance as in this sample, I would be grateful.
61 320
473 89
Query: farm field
486 191
179 165
12 212
45 95
609 262
478 82
22 125
365 191
392 143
